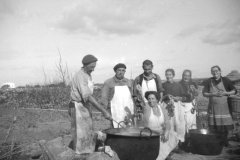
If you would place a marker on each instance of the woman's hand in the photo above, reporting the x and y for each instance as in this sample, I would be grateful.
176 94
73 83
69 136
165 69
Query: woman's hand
165 136
224 93
192 88
217 94
177 98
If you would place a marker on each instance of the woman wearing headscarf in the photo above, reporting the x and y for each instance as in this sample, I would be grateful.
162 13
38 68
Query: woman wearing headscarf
190 92
117 95
218 89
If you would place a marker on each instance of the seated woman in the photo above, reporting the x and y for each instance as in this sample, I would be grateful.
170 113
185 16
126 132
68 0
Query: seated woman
156 118
173 97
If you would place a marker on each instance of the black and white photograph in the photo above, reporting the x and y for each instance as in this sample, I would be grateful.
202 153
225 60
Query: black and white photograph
119 79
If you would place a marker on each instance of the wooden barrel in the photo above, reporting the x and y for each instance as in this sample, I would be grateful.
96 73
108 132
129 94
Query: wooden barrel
235 103
238 90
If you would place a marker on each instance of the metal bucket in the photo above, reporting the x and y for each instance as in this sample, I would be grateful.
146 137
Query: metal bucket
133 143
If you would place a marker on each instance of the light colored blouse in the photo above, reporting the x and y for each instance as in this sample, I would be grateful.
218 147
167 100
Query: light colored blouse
152 121
81 86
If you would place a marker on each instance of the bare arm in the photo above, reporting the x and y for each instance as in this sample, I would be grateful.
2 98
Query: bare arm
232 92
160 87
93 101
139 90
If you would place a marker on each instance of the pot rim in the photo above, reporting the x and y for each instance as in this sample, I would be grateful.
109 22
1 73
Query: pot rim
203 131
117 132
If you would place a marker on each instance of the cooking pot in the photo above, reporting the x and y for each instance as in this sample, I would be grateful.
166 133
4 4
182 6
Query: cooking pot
205 142
133 143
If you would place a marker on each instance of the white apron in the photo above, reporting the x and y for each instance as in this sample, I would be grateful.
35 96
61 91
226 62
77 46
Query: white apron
167 147
175 133
190 118
121 103
178 121
148 86
155 122
84 134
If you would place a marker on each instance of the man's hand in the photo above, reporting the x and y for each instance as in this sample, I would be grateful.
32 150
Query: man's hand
107 115
85 99
139 88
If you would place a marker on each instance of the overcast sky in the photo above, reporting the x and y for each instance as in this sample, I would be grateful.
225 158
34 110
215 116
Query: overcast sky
178 34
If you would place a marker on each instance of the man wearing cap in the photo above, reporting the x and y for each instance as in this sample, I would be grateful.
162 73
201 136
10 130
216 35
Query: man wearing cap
79 107
116 94
148 81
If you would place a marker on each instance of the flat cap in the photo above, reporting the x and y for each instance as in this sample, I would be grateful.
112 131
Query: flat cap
119 65
89 59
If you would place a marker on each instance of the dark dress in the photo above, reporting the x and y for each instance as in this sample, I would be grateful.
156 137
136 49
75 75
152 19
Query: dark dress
174 89
189 95
218 109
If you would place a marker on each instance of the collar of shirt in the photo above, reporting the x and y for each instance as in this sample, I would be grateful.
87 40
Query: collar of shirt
150 77
124 80
217 81
89 75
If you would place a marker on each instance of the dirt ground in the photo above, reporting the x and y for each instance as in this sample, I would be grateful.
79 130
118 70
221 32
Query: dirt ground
34 124
37 124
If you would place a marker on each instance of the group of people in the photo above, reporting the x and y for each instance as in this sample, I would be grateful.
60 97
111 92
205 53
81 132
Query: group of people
168 107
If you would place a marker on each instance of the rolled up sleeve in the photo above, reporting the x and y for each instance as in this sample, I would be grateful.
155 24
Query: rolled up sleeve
79 87
82 84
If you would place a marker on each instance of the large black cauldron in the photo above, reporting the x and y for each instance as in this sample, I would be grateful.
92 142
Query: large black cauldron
133 143
206 142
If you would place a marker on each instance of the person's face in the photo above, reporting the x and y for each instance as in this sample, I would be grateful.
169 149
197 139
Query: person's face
147 69
186 76
216 73
90 67
169 76
152 100
120 72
